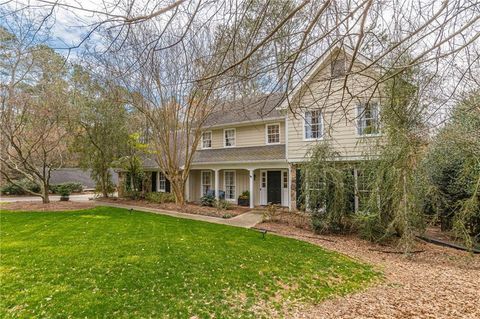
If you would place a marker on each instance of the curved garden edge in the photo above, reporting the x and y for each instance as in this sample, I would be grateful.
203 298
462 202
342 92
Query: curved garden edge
438 282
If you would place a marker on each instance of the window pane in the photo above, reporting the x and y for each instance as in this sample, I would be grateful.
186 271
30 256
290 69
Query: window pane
229 137
273 134
368 119
230 185
206 182
207 140
162 182
313 124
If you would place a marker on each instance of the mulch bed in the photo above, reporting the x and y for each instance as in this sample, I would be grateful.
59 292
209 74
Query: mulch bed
41 207
434 282
188 208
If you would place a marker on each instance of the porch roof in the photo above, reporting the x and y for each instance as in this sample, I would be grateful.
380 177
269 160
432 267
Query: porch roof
241 154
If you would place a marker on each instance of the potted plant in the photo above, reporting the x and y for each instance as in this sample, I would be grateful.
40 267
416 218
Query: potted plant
244 199
64 192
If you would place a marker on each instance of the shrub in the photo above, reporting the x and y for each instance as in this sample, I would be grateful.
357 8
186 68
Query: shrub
160 198
11 189
207 200
270 213
133 195
71 186
222 204
64 190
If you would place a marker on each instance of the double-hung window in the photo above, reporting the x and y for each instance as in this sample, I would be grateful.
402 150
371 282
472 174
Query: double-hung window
313 125
207 139
229 181
206 182
273 133
162 182
229 137
368 119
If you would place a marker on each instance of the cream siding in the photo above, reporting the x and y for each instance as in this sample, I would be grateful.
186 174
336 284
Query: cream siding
246 135
339 115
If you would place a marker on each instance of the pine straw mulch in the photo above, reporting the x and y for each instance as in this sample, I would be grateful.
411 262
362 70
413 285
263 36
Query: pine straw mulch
435 282
188 208
38 206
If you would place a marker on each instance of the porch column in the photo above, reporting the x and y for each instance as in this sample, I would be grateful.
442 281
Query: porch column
251 176
217 184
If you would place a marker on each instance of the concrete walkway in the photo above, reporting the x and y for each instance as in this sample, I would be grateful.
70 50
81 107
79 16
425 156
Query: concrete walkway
245 220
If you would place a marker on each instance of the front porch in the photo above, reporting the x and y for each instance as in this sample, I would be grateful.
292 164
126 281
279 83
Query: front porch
265 184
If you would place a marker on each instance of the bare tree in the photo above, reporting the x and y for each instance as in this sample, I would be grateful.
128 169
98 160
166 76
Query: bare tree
33 111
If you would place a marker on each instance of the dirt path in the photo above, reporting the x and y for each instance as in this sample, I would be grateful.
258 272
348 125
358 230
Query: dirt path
436 283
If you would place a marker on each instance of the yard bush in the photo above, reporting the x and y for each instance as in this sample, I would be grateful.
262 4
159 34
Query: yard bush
160 197
207 200
222 204
11 189
70 186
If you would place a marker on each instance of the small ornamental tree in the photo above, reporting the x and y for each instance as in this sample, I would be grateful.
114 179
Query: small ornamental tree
327 190
395 179
100 122
131 163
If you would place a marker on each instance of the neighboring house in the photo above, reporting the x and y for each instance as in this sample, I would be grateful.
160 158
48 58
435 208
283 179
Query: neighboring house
256 144
77 175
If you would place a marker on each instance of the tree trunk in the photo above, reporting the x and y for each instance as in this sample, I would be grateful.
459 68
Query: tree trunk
177 186
105 184
45 198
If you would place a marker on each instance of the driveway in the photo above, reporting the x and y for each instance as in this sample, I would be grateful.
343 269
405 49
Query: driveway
74 197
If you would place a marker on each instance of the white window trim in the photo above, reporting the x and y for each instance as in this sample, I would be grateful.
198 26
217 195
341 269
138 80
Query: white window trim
304 124
279 133
357 118
211 142
201 181
235 185
234 134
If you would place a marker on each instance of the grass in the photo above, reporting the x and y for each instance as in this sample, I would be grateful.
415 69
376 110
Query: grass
107 262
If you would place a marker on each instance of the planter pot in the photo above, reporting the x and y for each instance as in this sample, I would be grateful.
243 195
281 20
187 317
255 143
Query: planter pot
64 198
243 202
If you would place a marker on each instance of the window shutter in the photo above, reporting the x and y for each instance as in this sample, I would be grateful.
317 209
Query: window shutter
154 182
167 185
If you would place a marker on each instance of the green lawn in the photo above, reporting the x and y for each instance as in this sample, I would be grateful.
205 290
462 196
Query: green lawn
107 262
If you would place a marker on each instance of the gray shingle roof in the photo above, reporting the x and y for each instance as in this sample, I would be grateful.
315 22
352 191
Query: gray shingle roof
241 154
76 175
246 109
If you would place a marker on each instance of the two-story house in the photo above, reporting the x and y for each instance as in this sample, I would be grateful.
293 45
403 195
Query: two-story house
243 149
256 144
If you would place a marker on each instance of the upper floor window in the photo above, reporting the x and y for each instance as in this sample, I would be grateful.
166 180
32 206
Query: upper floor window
368 119
207 139
229 137
337 67
313 125
273 133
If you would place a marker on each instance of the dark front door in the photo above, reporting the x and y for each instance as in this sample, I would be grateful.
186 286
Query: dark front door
274 187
